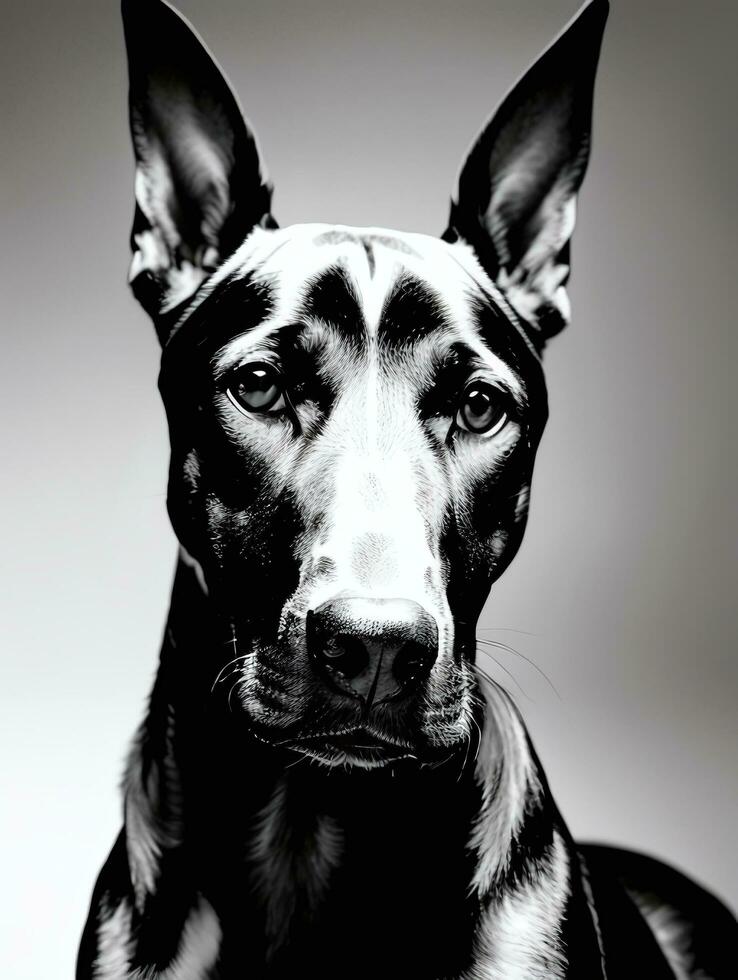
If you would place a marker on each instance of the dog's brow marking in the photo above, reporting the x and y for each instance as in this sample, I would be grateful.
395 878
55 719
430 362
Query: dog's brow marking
411 310
499 368
331 297
240 347
416 256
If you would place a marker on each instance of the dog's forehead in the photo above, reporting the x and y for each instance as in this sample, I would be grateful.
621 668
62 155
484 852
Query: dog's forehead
373 259
375 282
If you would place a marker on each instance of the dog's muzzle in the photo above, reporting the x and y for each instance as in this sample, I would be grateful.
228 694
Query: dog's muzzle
372 649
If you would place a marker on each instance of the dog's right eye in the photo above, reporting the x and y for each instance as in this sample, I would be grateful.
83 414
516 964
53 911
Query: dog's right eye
257 388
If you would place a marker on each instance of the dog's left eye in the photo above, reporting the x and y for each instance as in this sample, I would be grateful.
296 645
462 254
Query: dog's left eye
257 388
482 409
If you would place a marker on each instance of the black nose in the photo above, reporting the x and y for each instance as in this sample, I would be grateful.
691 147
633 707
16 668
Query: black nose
373 648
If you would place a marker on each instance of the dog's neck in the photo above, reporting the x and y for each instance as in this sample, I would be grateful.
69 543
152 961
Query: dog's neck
475 846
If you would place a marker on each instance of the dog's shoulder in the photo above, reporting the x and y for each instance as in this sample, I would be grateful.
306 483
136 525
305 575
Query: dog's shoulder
696 932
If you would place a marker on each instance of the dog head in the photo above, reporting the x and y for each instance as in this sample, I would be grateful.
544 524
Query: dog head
354 413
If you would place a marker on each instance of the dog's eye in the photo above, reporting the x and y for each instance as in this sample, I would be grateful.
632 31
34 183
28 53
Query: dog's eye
482 409
257 388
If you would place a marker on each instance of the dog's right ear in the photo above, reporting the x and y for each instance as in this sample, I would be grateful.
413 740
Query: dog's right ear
199 186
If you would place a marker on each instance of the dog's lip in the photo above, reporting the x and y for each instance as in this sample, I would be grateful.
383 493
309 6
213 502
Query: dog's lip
346 740
356 746
354 738
357 743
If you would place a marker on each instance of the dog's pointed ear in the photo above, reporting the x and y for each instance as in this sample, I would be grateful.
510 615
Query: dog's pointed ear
517 190
199 185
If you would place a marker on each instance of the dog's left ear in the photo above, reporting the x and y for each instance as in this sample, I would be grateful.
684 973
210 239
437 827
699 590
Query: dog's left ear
516 198
199 186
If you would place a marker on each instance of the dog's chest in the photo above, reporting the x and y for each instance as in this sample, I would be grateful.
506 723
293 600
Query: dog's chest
374 885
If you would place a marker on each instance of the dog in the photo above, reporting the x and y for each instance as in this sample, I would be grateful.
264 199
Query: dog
324 784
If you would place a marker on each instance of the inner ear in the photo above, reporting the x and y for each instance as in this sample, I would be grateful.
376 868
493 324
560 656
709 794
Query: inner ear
516 200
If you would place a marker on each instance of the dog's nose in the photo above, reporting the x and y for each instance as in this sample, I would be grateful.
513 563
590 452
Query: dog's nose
372 648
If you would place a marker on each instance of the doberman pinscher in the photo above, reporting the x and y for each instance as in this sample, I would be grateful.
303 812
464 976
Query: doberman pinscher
324 784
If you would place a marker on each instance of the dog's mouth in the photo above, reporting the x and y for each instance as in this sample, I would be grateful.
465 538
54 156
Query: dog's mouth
351 747
286 709
363 749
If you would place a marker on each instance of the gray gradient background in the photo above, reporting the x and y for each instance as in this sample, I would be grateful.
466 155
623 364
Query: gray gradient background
625 586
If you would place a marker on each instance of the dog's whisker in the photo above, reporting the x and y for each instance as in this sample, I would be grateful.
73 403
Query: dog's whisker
230 694
226 677
498 645
479 739
222 676
508 672
462 767
504 629
488 677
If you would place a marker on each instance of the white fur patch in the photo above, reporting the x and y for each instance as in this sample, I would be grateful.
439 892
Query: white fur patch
147 835
196 955
143 848
519 936
507 776
114 945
